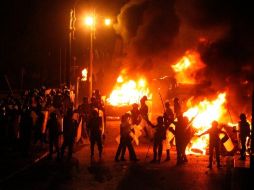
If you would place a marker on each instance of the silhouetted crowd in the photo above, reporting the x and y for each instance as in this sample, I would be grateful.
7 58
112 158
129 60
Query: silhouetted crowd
48 117
23 118
175 129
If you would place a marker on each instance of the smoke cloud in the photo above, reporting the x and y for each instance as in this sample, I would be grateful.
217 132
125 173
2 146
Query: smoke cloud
156 33
148 28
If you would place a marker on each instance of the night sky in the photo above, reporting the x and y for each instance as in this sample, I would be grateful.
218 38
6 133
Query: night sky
34 38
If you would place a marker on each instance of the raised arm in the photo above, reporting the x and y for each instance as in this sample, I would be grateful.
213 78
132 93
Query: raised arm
204 133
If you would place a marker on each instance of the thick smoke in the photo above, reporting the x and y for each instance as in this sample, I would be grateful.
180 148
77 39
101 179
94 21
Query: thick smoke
228 51
148 27
159 31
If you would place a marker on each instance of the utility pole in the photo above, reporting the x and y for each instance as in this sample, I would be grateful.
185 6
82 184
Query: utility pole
91 62
71 36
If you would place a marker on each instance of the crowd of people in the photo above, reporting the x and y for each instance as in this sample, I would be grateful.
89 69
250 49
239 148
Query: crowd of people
46 115
23 118
181 131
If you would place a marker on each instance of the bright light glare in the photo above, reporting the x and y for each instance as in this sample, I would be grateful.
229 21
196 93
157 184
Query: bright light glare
107 21
84 74
89 20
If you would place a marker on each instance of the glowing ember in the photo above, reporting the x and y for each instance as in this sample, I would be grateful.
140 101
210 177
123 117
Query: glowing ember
187 66
127 92
204 113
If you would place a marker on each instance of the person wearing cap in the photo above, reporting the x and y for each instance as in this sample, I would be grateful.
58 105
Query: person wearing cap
244 129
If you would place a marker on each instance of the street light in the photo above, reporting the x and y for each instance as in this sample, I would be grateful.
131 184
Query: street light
107 21
91 23
89 20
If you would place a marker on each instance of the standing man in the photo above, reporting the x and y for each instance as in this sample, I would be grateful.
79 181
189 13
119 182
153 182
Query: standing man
95 131
159 136
177 107
168 117
214 143
135 115
69 133
179 138
125 139
244 129
53 129
144 114
84 110
144 108
168 114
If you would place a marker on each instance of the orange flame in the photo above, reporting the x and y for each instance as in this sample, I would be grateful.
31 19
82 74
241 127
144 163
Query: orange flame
127 91
203 114
182 65
187 66
84 74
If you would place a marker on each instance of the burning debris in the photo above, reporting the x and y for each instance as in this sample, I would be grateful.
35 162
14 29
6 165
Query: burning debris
206 111
186 69
202 115
160 32
200 110
128 91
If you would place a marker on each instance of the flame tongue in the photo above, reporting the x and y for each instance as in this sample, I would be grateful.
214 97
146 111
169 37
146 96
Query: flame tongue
204 113
207 111
127 91
187 66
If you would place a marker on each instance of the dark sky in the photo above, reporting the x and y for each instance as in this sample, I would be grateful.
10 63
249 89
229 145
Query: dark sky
35 36
34 32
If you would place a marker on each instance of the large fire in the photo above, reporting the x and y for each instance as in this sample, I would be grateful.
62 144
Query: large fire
128 91
203 114
187 66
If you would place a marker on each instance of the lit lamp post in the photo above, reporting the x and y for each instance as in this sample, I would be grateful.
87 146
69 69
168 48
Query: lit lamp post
91 23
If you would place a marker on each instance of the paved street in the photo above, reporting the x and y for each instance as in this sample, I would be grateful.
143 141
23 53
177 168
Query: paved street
80 173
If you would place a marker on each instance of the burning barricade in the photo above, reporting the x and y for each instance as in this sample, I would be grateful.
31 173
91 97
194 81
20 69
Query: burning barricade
203 104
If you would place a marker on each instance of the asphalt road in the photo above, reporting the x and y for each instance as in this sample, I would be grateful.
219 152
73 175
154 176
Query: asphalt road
81 173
